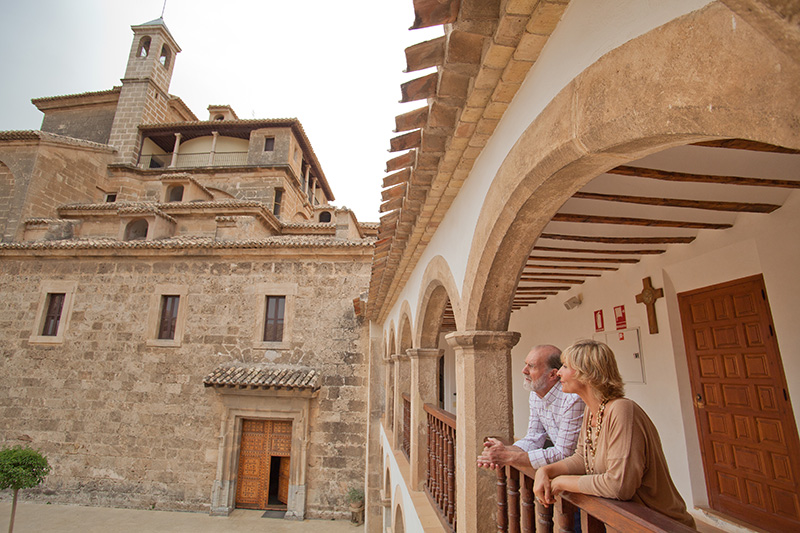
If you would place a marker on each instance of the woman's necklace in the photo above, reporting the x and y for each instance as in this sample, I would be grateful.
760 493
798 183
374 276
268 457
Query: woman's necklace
591 440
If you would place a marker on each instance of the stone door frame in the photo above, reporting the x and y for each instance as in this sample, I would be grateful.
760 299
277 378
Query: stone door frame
261 404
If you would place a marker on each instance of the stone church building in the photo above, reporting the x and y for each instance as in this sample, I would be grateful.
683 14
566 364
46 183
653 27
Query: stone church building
180 303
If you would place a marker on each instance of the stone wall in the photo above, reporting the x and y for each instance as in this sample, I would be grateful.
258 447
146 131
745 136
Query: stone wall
46 176
125 423
89 123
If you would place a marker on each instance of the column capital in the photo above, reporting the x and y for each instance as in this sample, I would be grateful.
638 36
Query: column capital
424 353
399 357
483 340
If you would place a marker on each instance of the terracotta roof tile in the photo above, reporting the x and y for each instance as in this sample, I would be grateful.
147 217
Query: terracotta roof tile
262 376
32 135
278 241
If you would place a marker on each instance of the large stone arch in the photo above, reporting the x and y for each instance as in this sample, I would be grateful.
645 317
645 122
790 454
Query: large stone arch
438 285
725 80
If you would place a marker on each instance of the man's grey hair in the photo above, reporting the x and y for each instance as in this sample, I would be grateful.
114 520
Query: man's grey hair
552 354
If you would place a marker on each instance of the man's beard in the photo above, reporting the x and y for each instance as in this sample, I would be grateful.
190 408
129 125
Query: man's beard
532 386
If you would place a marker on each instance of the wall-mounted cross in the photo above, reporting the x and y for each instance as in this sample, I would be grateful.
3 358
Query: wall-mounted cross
648 297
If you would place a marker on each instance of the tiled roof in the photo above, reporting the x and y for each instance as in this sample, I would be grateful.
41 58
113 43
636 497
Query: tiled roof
32 135
278 241
481 61
107 92
262 377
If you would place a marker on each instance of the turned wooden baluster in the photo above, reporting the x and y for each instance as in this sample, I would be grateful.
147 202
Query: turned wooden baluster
513 500
544 518
502 506
527 508
450 483
564 516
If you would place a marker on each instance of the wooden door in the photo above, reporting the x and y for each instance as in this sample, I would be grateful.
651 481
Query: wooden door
261 440
283 481
748 435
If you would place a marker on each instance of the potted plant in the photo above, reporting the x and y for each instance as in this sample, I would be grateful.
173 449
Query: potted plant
356 498
21 468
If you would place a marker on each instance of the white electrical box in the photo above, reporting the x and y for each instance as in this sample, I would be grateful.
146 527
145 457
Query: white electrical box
627 348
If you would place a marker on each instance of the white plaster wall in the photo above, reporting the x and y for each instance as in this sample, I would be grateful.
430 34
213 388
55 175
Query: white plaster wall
399 490
202 145
757 244
588 30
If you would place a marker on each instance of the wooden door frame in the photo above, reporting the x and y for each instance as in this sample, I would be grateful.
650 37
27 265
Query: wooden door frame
780 374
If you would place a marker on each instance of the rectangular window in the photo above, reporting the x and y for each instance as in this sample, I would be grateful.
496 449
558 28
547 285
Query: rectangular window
169 316
269 144
273 321
276 203
111 197
55 303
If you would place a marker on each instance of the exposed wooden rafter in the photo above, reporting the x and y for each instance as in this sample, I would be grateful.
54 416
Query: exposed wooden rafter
554 274
582 259
617 240
638 251
631 221
744 144
668 175
741 207
566 267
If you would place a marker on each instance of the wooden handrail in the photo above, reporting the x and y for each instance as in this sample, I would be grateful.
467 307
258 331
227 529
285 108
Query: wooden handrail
625 515
516 511
405 396
448 419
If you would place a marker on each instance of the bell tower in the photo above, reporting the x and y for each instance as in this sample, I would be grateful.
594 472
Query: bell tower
144 96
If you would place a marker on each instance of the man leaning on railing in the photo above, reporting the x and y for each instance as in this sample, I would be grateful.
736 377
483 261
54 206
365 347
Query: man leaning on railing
555 419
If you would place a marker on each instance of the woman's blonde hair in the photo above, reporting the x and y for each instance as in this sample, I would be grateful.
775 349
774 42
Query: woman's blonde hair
595 365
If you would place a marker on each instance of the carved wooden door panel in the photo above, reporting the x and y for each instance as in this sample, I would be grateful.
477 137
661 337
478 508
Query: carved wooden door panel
283 481
261 441
748 436
252 482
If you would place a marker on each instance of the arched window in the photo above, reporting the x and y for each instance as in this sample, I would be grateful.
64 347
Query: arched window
219 117
144 47
164 59
136 230
175 193
325 216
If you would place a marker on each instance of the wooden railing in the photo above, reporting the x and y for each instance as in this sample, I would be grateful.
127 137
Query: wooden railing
517 512
406 442
441 478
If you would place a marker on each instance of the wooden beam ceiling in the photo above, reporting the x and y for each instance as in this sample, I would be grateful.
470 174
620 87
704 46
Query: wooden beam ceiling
741 207
668 175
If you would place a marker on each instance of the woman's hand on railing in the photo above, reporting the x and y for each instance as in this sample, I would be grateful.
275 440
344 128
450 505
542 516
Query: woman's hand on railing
542 487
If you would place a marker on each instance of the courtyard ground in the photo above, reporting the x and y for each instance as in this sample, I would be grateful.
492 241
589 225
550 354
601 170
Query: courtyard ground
38 518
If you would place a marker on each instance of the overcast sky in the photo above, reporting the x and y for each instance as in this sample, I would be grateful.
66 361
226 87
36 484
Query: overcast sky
335 65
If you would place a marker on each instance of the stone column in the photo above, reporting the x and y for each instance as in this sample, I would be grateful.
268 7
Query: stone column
213 151
424 387
400 385
483 388
388 403
175 150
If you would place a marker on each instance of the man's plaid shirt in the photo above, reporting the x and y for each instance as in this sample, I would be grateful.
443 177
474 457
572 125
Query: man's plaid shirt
557 416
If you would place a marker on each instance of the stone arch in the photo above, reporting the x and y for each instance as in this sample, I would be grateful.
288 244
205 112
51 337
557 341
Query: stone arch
591 126
438 286
392 346
398 525
136 230
405 332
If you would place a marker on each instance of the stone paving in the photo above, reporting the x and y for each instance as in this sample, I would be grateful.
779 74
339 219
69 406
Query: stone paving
38 518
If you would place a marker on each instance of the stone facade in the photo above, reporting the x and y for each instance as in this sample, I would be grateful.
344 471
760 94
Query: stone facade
114 387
